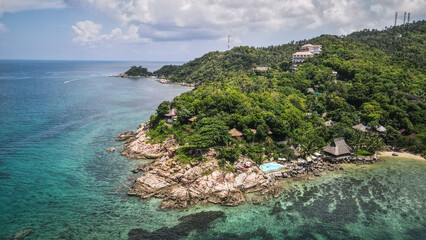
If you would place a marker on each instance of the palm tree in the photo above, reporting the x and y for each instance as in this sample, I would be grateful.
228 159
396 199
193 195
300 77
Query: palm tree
308 148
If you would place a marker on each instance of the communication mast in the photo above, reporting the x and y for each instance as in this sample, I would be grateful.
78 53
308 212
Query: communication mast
396 17
408 19
229 41
405 16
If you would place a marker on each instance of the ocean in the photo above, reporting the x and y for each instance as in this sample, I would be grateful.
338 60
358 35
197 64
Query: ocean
56 178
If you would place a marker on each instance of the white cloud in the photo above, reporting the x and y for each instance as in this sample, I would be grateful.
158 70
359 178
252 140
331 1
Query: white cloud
23 5
88 32
183 20
2 28
164 19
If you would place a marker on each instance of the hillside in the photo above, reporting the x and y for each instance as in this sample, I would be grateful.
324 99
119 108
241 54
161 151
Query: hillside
273 107
238 60
403 42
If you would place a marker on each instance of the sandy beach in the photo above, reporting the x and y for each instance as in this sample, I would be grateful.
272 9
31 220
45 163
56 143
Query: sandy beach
400 155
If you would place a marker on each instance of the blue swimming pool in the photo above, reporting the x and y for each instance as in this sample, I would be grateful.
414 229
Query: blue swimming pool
271 166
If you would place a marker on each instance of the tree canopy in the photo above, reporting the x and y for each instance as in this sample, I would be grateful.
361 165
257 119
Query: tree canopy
273 106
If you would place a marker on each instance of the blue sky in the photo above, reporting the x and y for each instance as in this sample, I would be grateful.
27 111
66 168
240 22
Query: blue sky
179 30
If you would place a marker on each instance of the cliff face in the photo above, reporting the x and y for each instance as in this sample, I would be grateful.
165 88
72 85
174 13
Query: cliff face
181 185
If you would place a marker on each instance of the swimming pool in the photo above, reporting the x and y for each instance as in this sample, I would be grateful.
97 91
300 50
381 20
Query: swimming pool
271 166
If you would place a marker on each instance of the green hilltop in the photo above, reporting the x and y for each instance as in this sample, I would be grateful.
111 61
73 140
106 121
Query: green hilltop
372 77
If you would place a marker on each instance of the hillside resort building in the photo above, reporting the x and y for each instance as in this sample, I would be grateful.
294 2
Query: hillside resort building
306 51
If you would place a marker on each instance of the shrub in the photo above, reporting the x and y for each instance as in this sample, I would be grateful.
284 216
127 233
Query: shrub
229 154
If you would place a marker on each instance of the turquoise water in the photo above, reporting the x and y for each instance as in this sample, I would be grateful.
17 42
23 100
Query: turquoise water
271 166
57 179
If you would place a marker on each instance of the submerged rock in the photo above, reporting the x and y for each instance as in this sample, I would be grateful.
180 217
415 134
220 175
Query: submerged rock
22 234
198 221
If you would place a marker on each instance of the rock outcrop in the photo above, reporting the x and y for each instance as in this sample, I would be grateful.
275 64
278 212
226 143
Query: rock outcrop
180 186
137 145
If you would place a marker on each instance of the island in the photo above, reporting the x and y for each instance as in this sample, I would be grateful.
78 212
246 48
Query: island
135 72
294 111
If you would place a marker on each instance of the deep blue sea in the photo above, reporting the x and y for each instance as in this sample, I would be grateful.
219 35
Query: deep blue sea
58 117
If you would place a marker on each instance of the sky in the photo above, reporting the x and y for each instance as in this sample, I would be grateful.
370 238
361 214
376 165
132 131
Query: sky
179 30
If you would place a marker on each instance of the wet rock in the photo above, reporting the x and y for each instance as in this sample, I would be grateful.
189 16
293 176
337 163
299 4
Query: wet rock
256 201
124 136
394 154
277 192
317 173
111 149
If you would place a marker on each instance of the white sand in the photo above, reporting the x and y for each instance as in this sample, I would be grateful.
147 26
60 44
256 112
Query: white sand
400 155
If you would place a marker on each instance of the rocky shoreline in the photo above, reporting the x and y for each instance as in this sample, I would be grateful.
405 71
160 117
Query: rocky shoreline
181 185
162 80
123 75
166 81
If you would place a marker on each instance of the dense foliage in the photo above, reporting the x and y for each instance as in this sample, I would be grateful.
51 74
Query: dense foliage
138 71
219 65
403 42
274 111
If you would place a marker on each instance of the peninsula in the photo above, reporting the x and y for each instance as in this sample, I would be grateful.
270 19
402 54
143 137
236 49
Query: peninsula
257 115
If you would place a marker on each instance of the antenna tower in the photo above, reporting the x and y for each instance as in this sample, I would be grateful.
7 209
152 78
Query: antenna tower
396 17
405 16
408 19
229 41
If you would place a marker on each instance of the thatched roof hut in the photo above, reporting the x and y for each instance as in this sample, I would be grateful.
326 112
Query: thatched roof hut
171 113
361 127
235 133
338 148
192 119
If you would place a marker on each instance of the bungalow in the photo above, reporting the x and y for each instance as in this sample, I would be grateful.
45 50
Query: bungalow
360 127
338 148
235 133
171 116
192 119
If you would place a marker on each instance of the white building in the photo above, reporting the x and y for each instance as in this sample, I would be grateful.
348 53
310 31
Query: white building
315 49
299 57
